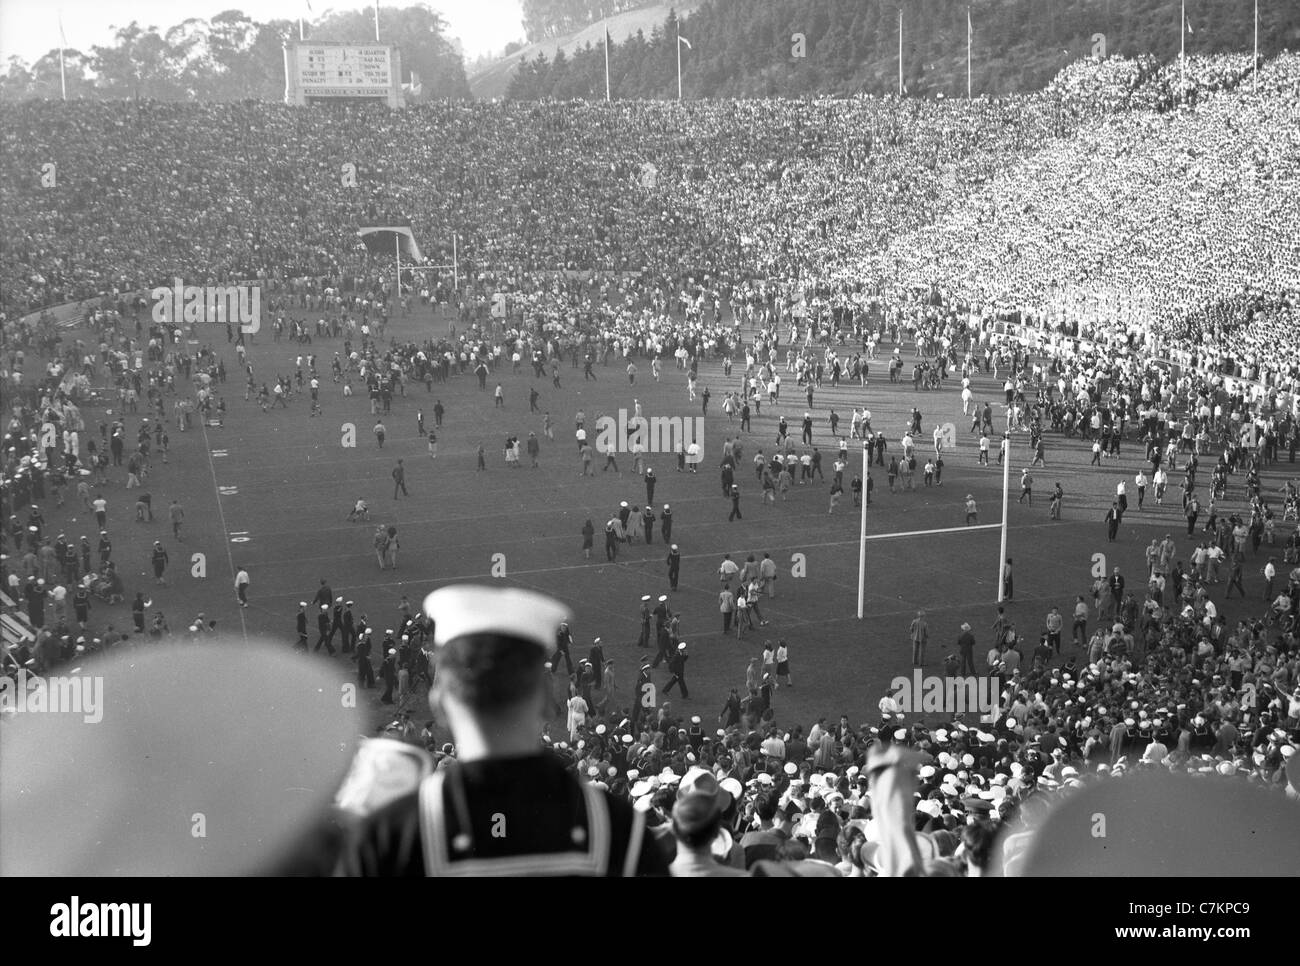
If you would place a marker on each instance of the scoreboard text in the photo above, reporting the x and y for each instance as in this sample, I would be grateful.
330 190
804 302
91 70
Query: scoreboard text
341 70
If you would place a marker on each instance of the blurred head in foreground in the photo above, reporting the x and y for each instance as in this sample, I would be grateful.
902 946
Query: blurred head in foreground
213 760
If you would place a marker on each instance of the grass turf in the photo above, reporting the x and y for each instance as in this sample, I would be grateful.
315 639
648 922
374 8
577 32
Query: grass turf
271 492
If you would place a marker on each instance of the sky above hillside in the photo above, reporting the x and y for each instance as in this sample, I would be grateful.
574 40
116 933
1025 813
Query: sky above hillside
30 28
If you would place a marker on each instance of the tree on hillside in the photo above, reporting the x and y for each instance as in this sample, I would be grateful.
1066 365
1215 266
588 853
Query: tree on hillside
140 64
232 57
743 47
420 32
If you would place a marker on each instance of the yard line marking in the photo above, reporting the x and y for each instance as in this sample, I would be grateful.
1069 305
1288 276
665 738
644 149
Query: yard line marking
809 513
852 542
715 554
221 516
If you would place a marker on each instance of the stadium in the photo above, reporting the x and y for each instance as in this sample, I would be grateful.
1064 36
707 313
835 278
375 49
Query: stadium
746 375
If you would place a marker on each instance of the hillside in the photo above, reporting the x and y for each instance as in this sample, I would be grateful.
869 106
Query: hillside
493 80
809 48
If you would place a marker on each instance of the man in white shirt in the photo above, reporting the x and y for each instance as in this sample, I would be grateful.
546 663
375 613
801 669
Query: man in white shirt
1214 553
59 600
1200 561
1270 574
727 570
1156 751
241 586
889 707
774 747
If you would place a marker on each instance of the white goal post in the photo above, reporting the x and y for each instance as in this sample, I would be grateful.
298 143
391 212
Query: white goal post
1002 553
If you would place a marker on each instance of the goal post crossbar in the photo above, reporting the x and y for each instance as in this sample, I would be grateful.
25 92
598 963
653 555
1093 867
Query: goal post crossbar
922 533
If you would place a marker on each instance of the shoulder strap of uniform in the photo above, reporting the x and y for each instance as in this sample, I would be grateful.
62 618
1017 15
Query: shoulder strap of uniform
632 857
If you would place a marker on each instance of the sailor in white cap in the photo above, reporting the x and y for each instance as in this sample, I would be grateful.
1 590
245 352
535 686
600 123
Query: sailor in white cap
323 626
504 806
302 627
563 644
677 664
644 641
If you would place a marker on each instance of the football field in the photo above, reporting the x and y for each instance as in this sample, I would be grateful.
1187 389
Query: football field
271 492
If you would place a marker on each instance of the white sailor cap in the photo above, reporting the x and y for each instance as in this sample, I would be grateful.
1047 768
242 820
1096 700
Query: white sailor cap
465 609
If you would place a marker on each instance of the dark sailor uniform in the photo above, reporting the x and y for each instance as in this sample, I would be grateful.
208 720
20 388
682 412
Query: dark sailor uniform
525 816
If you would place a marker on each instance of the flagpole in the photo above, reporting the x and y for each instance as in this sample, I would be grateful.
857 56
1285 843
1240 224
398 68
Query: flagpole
900 51
300 37
377 21
1182 51
455 265
63 43
969 40
1254 74
679 54
397 250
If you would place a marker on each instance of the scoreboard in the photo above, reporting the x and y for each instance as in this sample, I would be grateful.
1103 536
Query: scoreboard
320 71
